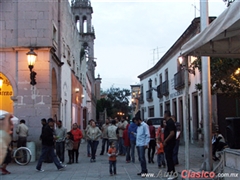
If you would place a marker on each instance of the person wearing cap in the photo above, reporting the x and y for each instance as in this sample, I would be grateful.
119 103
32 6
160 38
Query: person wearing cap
48 139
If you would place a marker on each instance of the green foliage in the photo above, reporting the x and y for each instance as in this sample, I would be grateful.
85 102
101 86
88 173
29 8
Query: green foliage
116 100
223 76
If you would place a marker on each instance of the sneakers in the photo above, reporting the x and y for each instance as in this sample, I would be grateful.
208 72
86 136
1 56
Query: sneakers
39 170
62 168
171 177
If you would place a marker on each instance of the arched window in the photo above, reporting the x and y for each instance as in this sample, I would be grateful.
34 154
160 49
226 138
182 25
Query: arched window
77 23
84 25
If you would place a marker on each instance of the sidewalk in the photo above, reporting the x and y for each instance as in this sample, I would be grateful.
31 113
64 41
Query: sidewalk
85 170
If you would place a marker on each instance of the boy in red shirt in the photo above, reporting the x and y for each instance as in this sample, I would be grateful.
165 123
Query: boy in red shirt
112 153
127 144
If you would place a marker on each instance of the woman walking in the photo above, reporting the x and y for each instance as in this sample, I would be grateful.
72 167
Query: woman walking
77 136
152 143
93 135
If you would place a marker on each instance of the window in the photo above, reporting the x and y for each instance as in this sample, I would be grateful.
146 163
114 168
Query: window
150 83
161 110
166 74
151 112
77 23
84 25
160 79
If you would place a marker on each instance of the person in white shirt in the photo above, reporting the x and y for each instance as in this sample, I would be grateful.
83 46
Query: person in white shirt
22 131
142 143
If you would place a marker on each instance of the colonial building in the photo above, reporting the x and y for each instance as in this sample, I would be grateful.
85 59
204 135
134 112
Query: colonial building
163 86
61 83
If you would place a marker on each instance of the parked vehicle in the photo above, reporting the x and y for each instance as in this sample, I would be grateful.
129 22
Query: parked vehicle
156 121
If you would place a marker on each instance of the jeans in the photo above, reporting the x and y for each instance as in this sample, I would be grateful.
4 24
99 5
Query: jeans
161 159
128 157
152 145
142 159
132 146
76 152
168 149
112 165
22 142
88 147
60 150
70 156
122 149
103 145
45 151
175 152
94 145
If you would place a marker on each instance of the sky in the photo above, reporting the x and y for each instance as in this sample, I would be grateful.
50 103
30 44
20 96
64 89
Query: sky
132 35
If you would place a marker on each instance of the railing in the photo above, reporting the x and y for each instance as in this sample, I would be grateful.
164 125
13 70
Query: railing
165 89
149 95
179 80
220 166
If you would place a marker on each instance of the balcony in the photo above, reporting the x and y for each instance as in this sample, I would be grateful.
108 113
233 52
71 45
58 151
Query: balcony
149 95
179 80
165 88
159 91
141 100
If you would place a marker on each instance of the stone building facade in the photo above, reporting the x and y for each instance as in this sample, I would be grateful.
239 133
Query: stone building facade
64 65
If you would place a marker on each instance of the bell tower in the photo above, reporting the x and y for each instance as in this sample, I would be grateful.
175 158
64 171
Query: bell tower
82 11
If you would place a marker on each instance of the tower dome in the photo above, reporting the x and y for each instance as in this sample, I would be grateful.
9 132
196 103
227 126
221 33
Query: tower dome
81 3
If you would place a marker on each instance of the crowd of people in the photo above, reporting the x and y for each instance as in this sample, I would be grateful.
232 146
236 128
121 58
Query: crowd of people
119 138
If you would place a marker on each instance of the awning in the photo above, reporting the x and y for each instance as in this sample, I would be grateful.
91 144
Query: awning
220 39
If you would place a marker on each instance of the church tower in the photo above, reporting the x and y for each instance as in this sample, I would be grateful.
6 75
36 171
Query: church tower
82 11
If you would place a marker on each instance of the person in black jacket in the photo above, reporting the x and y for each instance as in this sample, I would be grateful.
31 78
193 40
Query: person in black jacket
48 139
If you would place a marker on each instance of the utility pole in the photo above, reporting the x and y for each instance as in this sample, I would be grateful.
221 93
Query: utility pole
186 119
206 92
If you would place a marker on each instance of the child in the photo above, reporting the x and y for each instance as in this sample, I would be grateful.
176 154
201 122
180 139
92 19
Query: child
160 153
69 146
127 144
112 159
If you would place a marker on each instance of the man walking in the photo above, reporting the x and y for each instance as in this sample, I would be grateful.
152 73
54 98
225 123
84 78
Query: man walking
22 131
105 136
48 138
61 133
142 143
122 126
169 143
112 132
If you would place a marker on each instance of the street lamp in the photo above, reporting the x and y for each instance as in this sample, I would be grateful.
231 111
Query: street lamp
31 56
1 82
190 69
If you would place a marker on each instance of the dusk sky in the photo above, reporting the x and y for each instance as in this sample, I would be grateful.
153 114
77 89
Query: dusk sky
127 32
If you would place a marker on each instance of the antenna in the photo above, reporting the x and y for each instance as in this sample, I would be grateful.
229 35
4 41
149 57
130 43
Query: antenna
195 9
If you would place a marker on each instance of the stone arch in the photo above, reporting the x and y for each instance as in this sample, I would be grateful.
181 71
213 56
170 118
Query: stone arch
6 94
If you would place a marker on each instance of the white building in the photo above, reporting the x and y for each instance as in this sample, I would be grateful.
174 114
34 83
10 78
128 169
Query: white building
163 87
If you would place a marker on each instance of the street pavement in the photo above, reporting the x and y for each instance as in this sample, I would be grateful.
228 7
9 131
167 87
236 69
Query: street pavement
85 170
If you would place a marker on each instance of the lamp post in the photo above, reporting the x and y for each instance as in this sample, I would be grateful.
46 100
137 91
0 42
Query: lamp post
184 66
31 56
206 94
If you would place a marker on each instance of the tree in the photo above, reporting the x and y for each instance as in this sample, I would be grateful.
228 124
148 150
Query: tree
225 75
116 100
